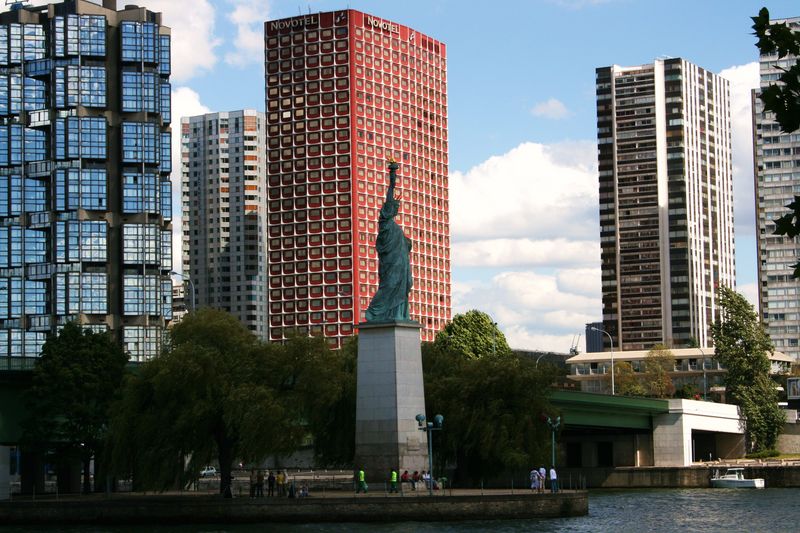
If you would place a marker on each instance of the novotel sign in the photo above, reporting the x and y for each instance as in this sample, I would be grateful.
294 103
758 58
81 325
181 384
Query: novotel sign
381 24
294 23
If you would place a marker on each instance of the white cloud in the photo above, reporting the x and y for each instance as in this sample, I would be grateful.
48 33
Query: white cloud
194 41
743 79
527 252
534 191
248 16
531 217
535 311
551 108
185 103
750 292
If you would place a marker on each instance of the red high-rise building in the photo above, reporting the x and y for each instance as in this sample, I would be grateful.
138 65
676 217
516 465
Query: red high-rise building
345 91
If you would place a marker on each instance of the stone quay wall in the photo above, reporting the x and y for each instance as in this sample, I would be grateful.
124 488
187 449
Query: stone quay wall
198 509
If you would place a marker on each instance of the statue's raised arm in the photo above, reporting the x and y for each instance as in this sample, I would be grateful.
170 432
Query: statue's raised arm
390 303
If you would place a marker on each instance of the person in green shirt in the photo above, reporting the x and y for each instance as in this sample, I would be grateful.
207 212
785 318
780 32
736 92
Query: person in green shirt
362 484
393 480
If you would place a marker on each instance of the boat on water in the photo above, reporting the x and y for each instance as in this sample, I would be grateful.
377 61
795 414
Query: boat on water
733 478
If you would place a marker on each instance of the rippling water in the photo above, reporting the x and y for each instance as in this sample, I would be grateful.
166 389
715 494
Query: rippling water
665 510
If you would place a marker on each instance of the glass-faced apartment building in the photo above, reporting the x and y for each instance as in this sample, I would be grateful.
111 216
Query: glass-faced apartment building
777 181
85 202
666 201
223 158
346 91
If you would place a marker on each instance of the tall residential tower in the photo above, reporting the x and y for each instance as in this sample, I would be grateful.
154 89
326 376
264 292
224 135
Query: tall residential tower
223 158
777 181
85 204
666 201
345 92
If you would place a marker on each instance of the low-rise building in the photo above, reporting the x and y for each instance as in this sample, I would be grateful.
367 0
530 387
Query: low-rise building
696 366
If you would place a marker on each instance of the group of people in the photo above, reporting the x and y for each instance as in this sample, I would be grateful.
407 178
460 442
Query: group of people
538 477
411 479
274 482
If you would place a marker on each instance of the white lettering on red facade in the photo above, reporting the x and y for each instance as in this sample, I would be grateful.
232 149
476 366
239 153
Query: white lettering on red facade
298 22
369 20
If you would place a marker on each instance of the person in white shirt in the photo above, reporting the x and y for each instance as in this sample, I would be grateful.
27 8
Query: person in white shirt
534 476
553 480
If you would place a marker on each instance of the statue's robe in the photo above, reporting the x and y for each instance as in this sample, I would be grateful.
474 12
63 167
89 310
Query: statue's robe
394 270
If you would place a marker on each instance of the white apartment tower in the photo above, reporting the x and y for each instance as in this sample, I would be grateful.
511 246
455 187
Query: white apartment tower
666 201
224 214
777 180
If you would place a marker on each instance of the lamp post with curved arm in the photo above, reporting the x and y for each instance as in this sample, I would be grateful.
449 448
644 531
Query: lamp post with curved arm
610 338
186 279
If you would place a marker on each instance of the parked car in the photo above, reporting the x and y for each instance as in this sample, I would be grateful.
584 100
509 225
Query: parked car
208 471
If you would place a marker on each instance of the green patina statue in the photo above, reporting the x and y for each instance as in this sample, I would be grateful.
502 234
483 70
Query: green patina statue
390 303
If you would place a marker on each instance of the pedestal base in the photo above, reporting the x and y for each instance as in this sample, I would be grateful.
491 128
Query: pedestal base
389 396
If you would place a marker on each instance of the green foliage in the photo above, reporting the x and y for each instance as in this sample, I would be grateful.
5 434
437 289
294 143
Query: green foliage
782 99
657 366
473 335
687 391
74 382
492 408
764 454
741 345
626 382
219 392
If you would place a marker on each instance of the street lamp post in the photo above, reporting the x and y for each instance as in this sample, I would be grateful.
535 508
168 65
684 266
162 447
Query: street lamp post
610 338
553 428
429 427
186 279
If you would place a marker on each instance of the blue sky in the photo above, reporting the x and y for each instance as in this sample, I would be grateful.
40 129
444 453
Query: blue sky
522 126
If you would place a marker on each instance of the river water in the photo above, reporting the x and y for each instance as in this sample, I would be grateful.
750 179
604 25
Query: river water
636 511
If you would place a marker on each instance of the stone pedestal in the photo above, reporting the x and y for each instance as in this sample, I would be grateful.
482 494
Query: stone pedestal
389 396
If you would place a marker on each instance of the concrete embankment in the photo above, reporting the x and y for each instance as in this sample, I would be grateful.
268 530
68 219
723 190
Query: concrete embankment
775 475
166 509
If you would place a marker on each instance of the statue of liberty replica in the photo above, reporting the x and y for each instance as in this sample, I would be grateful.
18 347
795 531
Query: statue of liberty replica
389 390
394 264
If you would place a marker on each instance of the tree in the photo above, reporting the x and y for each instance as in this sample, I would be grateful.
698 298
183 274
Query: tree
492 408
218 392
741 344
783 100
74 383
626 382
657 366
472 334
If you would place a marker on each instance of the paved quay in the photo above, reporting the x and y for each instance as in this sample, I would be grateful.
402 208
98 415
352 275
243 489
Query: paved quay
326 506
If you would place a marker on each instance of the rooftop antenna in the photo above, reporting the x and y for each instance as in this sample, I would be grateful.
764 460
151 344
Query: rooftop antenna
573 350
16 4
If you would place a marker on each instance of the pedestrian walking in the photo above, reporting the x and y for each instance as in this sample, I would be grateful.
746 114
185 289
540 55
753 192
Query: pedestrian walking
362 484
553 480
534 477
271 484
392 480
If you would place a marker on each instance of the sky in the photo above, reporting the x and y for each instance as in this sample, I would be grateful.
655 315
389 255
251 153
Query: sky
522 128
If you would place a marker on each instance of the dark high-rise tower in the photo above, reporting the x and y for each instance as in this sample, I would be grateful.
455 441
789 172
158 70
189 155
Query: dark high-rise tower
666 201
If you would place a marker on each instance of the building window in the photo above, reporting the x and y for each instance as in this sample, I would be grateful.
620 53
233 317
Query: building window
80 138
77 188
141 243
140 142
142 342
140 193
141 295
140 42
